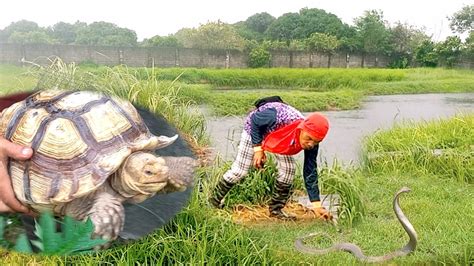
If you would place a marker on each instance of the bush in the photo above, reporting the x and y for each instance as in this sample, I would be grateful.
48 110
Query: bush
259 57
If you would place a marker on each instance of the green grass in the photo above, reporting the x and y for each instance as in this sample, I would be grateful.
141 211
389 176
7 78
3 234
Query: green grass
438 209
444 148
14 79
232 91
281 77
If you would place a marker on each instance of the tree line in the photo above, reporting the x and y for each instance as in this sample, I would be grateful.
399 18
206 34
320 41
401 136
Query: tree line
310 29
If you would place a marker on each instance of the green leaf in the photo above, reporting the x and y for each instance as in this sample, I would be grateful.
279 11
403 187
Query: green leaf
2 226
3 242
75 236
22 244
46 232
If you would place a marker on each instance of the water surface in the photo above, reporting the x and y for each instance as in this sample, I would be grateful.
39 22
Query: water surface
348 128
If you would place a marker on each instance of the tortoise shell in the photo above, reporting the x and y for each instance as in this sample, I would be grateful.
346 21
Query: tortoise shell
79 139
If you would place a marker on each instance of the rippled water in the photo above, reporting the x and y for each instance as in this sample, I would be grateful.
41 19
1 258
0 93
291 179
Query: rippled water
348 128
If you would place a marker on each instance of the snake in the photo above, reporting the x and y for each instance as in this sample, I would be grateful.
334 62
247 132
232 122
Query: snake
357 251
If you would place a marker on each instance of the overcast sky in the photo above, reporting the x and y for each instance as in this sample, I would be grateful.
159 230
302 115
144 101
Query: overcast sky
157 17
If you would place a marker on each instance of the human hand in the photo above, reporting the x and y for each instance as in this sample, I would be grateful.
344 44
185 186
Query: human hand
320 211
259 159
8 201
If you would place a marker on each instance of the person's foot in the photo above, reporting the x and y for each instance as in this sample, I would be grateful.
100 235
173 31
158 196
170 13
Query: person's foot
280 214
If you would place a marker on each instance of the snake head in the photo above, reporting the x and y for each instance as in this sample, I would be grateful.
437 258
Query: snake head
403 190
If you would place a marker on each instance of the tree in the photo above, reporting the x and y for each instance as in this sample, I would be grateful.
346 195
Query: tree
323 43
317 20
284 28
468 48
449 50
30 37
185 36
372 32
65 33
462 20
22 26
162 41
426 55
212 35
259 56
349 40
254 27
259 22
246 33
107 34
301 25
404 39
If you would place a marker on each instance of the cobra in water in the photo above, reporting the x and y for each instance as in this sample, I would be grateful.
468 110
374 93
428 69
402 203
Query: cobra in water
356 251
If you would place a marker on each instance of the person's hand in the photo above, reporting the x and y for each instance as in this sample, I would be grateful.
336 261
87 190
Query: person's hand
259 159
320 211
8 201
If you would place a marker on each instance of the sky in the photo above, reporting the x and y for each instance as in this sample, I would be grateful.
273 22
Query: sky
154 17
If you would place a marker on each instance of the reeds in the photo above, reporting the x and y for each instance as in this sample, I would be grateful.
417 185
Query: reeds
443 148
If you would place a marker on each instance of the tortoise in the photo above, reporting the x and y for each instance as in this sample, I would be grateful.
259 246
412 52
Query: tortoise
92 153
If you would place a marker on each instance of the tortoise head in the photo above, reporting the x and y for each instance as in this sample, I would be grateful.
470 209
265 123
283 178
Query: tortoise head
143 174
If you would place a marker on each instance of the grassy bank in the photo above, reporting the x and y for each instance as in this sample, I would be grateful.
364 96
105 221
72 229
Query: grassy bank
444 148
232 91
313 79
14 78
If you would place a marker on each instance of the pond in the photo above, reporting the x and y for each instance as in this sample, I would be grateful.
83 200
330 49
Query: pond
348 128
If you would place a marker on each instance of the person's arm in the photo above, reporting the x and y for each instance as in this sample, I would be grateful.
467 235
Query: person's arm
259 124
310 175
8 201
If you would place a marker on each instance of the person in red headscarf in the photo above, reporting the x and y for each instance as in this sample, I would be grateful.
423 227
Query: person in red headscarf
8 201
280 129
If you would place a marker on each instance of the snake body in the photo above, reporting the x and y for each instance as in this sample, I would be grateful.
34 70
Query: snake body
356 251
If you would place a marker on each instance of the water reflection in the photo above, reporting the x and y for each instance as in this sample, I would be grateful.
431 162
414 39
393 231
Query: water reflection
348 128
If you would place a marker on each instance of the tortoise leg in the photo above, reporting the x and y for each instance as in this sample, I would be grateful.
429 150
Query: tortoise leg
105 209
108 216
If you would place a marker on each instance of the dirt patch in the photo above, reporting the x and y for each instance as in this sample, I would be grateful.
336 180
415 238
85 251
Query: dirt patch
244 214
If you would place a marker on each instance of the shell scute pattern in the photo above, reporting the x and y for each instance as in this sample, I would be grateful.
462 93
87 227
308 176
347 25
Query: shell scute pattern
79 138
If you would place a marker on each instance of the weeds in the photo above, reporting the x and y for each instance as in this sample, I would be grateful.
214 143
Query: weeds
346 184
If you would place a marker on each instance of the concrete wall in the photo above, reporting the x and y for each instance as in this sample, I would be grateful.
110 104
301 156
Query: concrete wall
182 57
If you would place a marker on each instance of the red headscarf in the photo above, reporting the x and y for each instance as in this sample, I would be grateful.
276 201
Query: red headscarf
285 140
317 125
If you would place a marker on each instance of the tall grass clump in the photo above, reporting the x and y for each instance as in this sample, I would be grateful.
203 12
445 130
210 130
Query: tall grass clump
443 148
346 184
255 189
160 97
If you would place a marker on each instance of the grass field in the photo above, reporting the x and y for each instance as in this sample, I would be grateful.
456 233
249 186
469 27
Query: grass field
440 205
233 91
